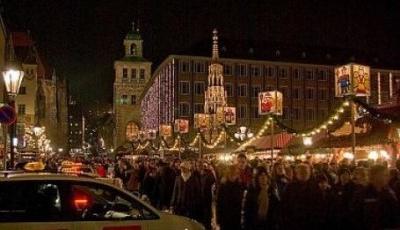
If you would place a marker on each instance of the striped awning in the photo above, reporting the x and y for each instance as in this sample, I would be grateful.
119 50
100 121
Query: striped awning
264 142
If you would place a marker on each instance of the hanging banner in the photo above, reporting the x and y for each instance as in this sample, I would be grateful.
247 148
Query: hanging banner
270 102
181 126
361 81
230 115
352 79
202 121
165 130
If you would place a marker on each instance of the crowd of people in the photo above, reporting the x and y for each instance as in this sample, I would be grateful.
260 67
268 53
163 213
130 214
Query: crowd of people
260 194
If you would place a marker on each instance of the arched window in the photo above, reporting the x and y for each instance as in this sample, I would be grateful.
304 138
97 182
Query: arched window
133 49
132 131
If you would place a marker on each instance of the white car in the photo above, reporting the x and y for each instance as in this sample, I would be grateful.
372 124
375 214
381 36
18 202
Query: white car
33 201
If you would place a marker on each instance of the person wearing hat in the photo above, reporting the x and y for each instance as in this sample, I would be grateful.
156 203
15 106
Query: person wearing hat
185 199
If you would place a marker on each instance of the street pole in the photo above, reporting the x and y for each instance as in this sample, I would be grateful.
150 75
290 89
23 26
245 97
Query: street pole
272 138
200 145
12 133
5 147
353 123
179 147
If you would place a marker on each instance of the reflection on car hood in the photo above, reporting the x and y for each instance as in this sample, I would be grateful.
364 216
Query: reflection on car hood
180 222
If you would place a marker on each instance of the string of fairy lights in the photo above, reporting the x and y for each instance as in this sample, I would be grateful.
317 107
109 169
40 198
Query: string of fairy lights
224 135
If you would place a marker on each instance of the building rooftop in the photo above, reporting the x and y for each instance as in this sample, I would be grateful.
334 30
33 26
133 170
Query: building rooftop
285 52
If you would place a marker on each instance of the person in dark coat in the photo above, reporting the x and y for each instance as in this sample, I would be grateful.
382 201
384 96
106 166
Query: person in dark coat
186 195
165 186
376 206
207 180
394 181
245 172
261 204
229 201
297 203
148 186
279 178
342 195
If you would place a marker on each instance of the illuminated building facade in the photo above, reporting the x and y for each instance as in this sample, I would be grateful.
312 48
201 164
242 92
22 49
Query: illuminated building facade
131 75
177 88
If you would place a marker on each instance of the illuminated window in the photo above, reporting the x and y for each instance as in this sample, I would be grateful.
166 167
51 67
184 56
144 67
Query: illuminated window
132 131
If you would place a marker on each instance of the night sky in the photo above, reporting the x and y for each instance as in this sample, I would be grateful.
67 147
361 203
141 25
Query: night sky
82 38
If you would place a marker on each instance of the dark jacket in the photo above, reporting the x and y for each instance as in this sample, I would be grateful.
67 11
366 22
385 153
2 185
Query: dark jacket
186 197
229 205
251 220
298 206
164 187
148 186
340 217
372 209
206 180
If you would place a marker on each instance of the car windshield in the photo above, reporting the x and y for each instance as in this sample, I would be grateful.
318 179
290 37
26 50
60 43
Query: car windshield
99 203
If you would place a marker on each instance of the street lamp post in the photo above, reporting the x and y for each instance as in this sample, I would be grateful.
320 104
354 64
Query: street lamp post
243 133
12 76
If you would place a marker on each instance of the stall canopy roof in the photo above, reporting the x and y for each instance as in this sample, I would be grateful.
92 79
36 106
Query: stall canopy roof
264 142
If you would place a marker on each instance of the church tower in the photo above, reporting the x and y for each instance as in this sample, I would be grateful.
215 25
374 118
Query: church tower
132 72
215 95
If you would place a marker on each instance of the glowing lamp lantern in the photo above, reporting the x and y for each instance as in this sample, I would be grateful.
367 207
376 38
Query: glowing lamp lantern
349 156
385 155
12 79
307 141
373 155
37 131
